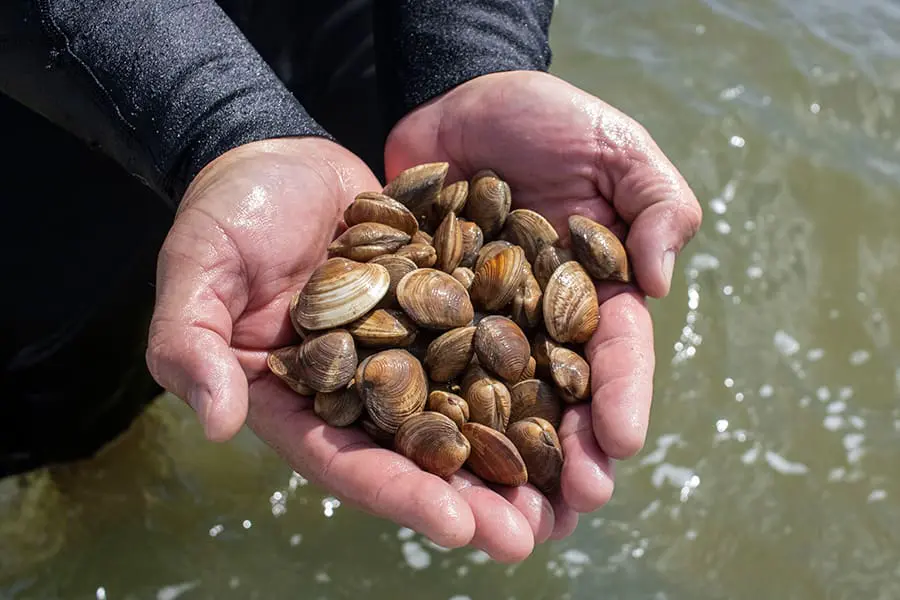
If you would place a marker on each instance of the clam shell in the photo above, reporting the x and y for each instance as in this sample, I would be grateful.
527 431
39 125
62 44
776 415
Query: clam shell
434 299
450 405
448 244
472 241
571 310
501 347
541 347
378 208
421 237
464 276
284 363
365 241
418 187
498 278
433 442
451 199
598 250
339 292
493 457
339 408
488 398
534 398
328 361
526 303
488 203
547 261
383 327
393 387
378 435
528 373
530 230
423 255
397 267
571 374
538 445
490 250
449 354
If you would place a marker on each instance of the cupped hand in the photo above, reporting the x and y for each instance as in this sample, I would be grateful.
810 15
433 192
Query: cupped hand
563 152
250 230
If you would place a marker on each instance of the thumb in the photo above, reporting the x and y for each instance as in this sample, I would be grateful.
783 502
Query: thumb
188 351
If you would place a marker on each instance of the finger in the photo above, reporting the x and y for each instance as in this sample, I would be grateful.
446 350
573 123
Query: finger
587 477
565 521
622 365
651 196
534 506
188 352
347 463
501 530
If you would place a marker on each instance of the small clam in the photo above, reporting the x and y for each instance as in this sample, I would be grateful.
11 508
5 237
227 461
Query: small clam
418 187
501 347
339 408
498 278
424 255
534 398
378 208
488 398
490 250
383 327
421 237
538 444
365 241
451 199
450 405
448 244
393 387
339 292
434 299
449 354
433 442
571 311
541 347
472 241
530 230
488 202
397 267
548 260
493 457
378 435
598 250
464 275
571 374
526 303
528 373
328 361
284 363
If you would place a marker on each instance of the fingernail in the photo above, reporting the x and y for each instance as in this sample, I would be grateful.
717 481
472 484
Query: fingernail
668 266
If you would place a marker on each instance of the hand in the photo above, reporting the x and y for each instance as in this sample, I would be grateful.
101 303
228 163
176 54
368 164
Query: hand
563 151
249 232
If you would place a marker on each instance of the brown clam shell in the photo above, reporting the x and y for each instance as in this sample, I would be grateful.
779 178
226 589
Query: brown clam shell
526 303
571 310
338 292
418 187
448 244
493 457
424 255
339 408
328 361
472 241
488 203
284 363
498 278
451 199
450 405
541 347
434 442
450 353
529 230
422 237
598 250
383 327
365 241
535 398
397 267
488 398
378 208
501 347
464 275
548 260
538 445
434 299
571 374
393 386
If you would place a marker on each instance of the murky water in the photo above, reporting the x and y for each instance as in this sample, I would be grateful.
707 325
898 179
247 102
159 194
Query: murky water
769 471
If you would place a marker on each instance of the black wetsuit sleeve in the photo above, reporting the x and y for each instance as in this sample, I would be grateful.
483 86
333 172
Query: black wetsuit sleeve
161 86
427 47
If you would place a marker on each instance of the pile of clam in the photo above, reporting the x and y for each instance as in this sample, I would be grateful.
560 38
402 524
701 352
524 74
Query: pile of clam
450 328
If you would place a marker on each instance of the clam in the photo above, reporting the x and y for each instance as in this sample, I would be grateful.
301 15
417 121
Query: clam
472 241
464 275
488 202
530 230
327 361
339 408
448 244
547 261
534 398
488 398
397 267
571 374
339 292
424 255
598 249
449 354
526 303
498 278
571 310
433 442
418 187
366 241
378 435
284 363
538 445
528 373
421 237
393 387
490 250
383 327
378 208
451 200
541 347
501 347
434 299
493 457
450 405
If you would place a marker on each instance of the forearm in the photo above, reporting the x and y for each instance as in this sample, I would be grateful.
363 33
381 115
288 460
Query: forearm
427 47
162 86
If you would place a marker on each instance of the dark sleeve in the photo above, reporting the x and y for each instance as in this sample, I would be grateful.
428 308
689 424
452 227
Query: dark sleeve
161 86
427 47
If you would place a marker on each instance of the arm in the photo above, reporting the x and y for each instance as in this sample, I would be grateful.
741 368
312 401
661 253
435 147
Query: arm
161 86
427 47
